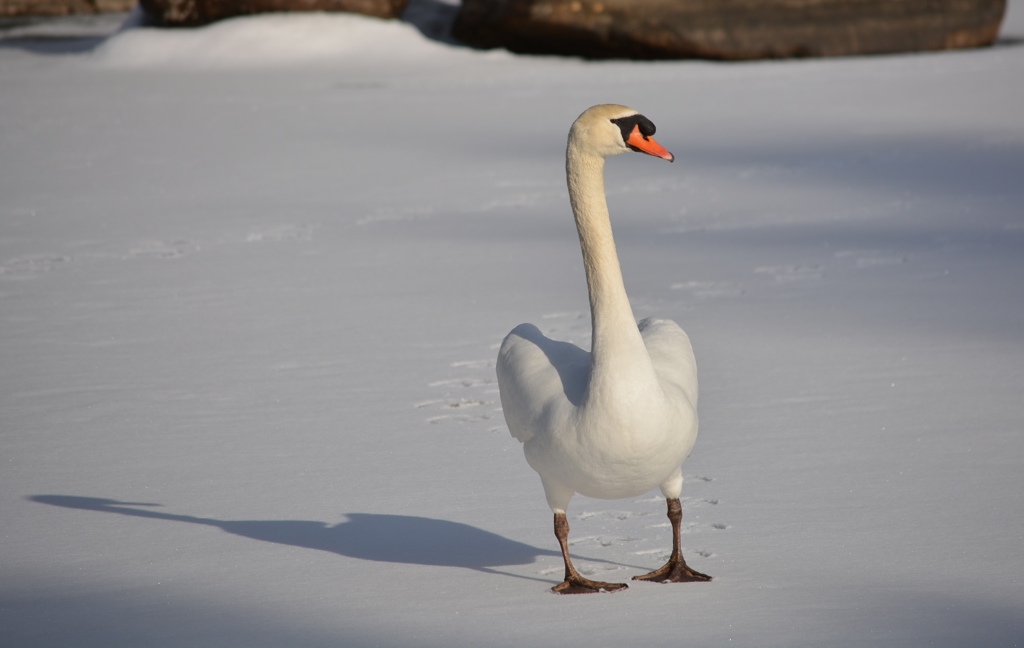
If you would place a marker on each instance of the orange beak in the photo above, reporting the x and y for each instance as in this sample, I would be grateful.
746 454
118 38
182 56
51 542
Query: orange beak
648 145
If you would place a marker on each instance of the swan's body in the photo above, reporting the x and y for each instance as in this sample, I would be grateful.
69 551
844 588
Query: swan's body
619 420
608 433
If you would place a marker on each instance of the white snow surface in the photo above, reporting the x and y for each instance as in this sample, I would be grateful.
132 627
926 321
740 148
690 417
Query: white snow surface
262 41
252 282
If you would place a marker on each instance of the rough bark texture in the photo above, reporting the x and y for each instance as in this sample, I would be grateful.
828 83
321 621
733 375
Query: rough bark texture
191 13
62 7
727 29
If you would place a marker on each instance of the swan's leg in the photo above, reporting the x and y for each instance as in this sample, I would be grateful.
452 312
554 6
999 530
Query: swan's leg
574 583
675 570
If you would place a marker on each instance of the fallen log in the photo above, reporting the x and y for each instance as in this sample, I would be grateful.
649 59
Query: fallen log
727 29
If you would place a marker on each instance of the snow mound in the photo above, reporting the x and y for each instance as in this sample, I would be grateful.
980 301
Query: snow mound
267 39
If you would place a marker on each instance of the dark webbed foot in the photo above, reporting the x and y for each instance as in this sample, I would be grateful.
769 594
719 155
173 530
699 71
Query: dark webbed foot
674 571
574 583
580 585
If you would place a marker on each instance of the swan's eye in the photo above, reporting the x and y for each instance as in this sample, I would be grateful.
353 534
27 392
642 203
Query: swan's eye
627 124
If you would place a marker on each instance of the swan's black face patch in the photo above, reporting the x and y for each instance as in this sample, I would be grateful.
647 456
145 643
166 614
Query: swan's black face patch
627 124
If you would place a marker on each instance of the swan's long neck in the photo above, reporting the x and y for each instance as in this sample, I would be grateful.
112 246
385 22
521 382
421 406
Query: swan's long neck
617 348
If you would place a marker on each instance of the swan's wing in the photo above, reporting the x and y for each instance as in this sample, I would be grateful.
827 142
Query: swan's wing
672 356
538 378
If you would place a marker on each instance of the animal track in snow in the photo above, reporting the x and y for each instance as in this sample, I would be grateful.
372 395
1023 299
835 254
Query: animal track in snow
160 249
473 364
468 403
791 273
472 396
464 382
872 258
451 403
30 265
280 233
871 262
618 515
461 405
390 215
710 288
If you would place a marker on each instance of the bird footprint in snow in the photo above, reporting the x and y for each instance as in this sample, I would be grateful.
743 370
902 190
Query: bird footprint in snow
160 250
469 398
32 265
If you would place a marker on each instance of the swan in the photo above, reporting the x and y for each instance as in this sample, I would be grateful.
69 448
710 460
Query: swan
619 420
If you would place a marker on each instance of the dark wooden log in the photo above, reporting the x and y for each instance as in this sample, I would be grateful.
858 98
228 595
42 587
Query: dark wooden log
727 29
192 13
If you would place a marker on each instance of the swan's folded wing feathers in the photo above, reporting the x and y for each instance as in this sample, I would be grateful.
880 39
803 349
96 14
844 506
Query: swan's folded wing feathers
672 355
537 375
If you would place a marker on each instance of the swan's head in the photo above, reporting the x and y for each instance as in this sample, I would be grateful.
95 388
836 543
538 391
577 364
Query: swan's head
610 129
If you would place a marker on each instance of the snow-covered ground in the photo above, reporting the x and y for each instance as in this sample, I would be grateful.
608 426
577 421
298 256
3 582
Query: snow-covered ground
253 278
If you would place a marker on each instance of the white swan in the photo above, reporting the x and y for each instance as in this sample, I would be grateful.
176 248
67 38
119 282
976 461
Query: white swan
619 420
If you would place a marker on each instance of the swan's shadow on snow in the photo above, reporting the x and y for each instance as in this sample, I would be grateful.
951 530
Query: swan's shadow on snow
367 536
